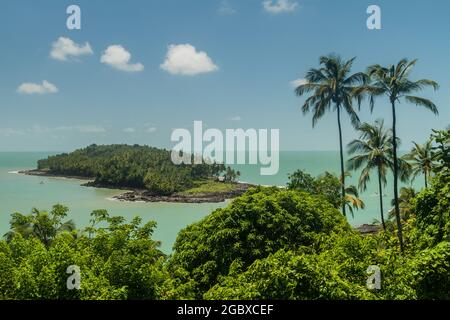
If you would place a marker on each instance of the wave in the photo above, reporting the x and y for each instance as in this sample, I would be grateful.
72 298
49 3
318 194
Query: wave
262 185
14 172
112 199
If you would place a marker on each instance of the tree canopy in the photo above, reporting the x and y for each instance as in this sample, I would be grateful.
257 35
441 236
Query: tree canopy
140 167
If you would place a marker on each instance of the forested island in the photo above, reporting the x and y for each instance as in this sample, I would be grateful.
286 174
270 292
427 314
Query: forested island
147 172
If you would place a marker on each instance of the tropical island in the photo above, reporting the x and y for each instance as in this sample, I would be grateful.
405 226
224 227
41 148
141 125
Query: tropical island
147 173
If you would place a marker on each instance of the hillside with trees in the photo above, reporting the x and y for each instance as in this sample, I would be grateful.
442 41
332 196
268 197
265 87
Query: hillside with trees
133 167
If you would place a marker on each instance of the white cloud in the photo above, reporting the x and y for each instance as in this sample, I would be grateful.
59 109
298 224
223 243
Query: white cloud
151 129
225 8
236 118
129 130
36 88
65 47
184 59
117 57
279 6
298 82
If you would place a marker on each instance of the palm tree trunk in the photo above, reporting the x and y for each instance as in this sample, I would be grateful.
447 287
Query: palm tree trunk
426 182
380 191
342 159
395 169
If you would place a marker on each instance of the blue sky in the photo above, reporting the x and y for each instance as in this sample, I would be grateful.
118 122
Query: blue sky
245 57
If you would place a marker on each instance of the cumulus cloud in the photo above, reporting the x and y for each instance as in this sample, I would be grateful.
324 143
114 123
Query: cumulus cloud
129 130
63 48
279 6
184 59
119 58
35 88
236 118
225 8
298 82
150 129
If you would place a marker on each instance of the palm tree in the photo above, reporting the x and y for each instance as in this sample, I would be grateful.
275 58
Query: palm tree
421 160
332 86
352 200
393 82
375 153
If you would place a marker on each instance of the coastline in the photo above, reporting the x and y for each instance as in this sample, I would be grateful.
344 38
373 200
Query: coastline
210 197
141 195
40 173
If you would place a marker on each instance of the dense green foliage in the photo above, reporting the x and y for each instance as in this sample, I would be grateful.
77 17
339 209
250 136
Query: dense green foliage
270 243
326 186
432 212
127 166
441 151
118 261
212 261
261 222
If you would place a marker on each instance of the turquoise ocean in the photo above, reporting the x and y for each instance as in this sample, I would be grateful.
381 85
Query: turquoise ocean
20 193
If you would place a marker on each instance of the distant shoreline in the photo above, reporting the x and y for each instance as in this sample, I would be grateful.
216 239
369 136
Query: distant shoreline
140 195
41 173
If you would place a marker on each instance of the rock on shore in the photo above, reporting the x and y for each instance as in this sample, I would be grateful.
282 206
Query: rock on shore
210 197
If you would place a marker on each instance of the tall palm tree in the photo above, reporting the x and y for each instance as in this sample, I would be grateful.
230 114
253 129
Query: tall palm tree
332 87
394 83
352 200
421 160
375 153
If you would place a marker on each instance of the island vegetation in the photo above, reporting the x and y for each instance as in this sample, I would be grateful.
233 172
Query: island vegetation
148 171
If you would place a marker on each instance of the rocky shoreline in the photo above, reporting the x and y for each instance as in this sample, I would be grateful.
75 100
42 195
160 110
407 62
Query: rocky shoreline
210 197
134 195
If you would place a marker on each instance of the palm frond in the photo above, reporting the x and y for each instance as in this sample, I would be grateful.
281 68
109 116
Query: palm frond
423 102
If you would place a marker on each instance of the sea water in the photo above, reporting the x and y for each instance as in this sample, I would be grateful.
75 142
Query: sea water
20 193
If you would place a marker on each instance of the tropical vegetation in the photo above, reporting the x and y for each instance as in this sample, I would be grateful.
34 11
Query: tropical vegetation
333 86
137 167
269 243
